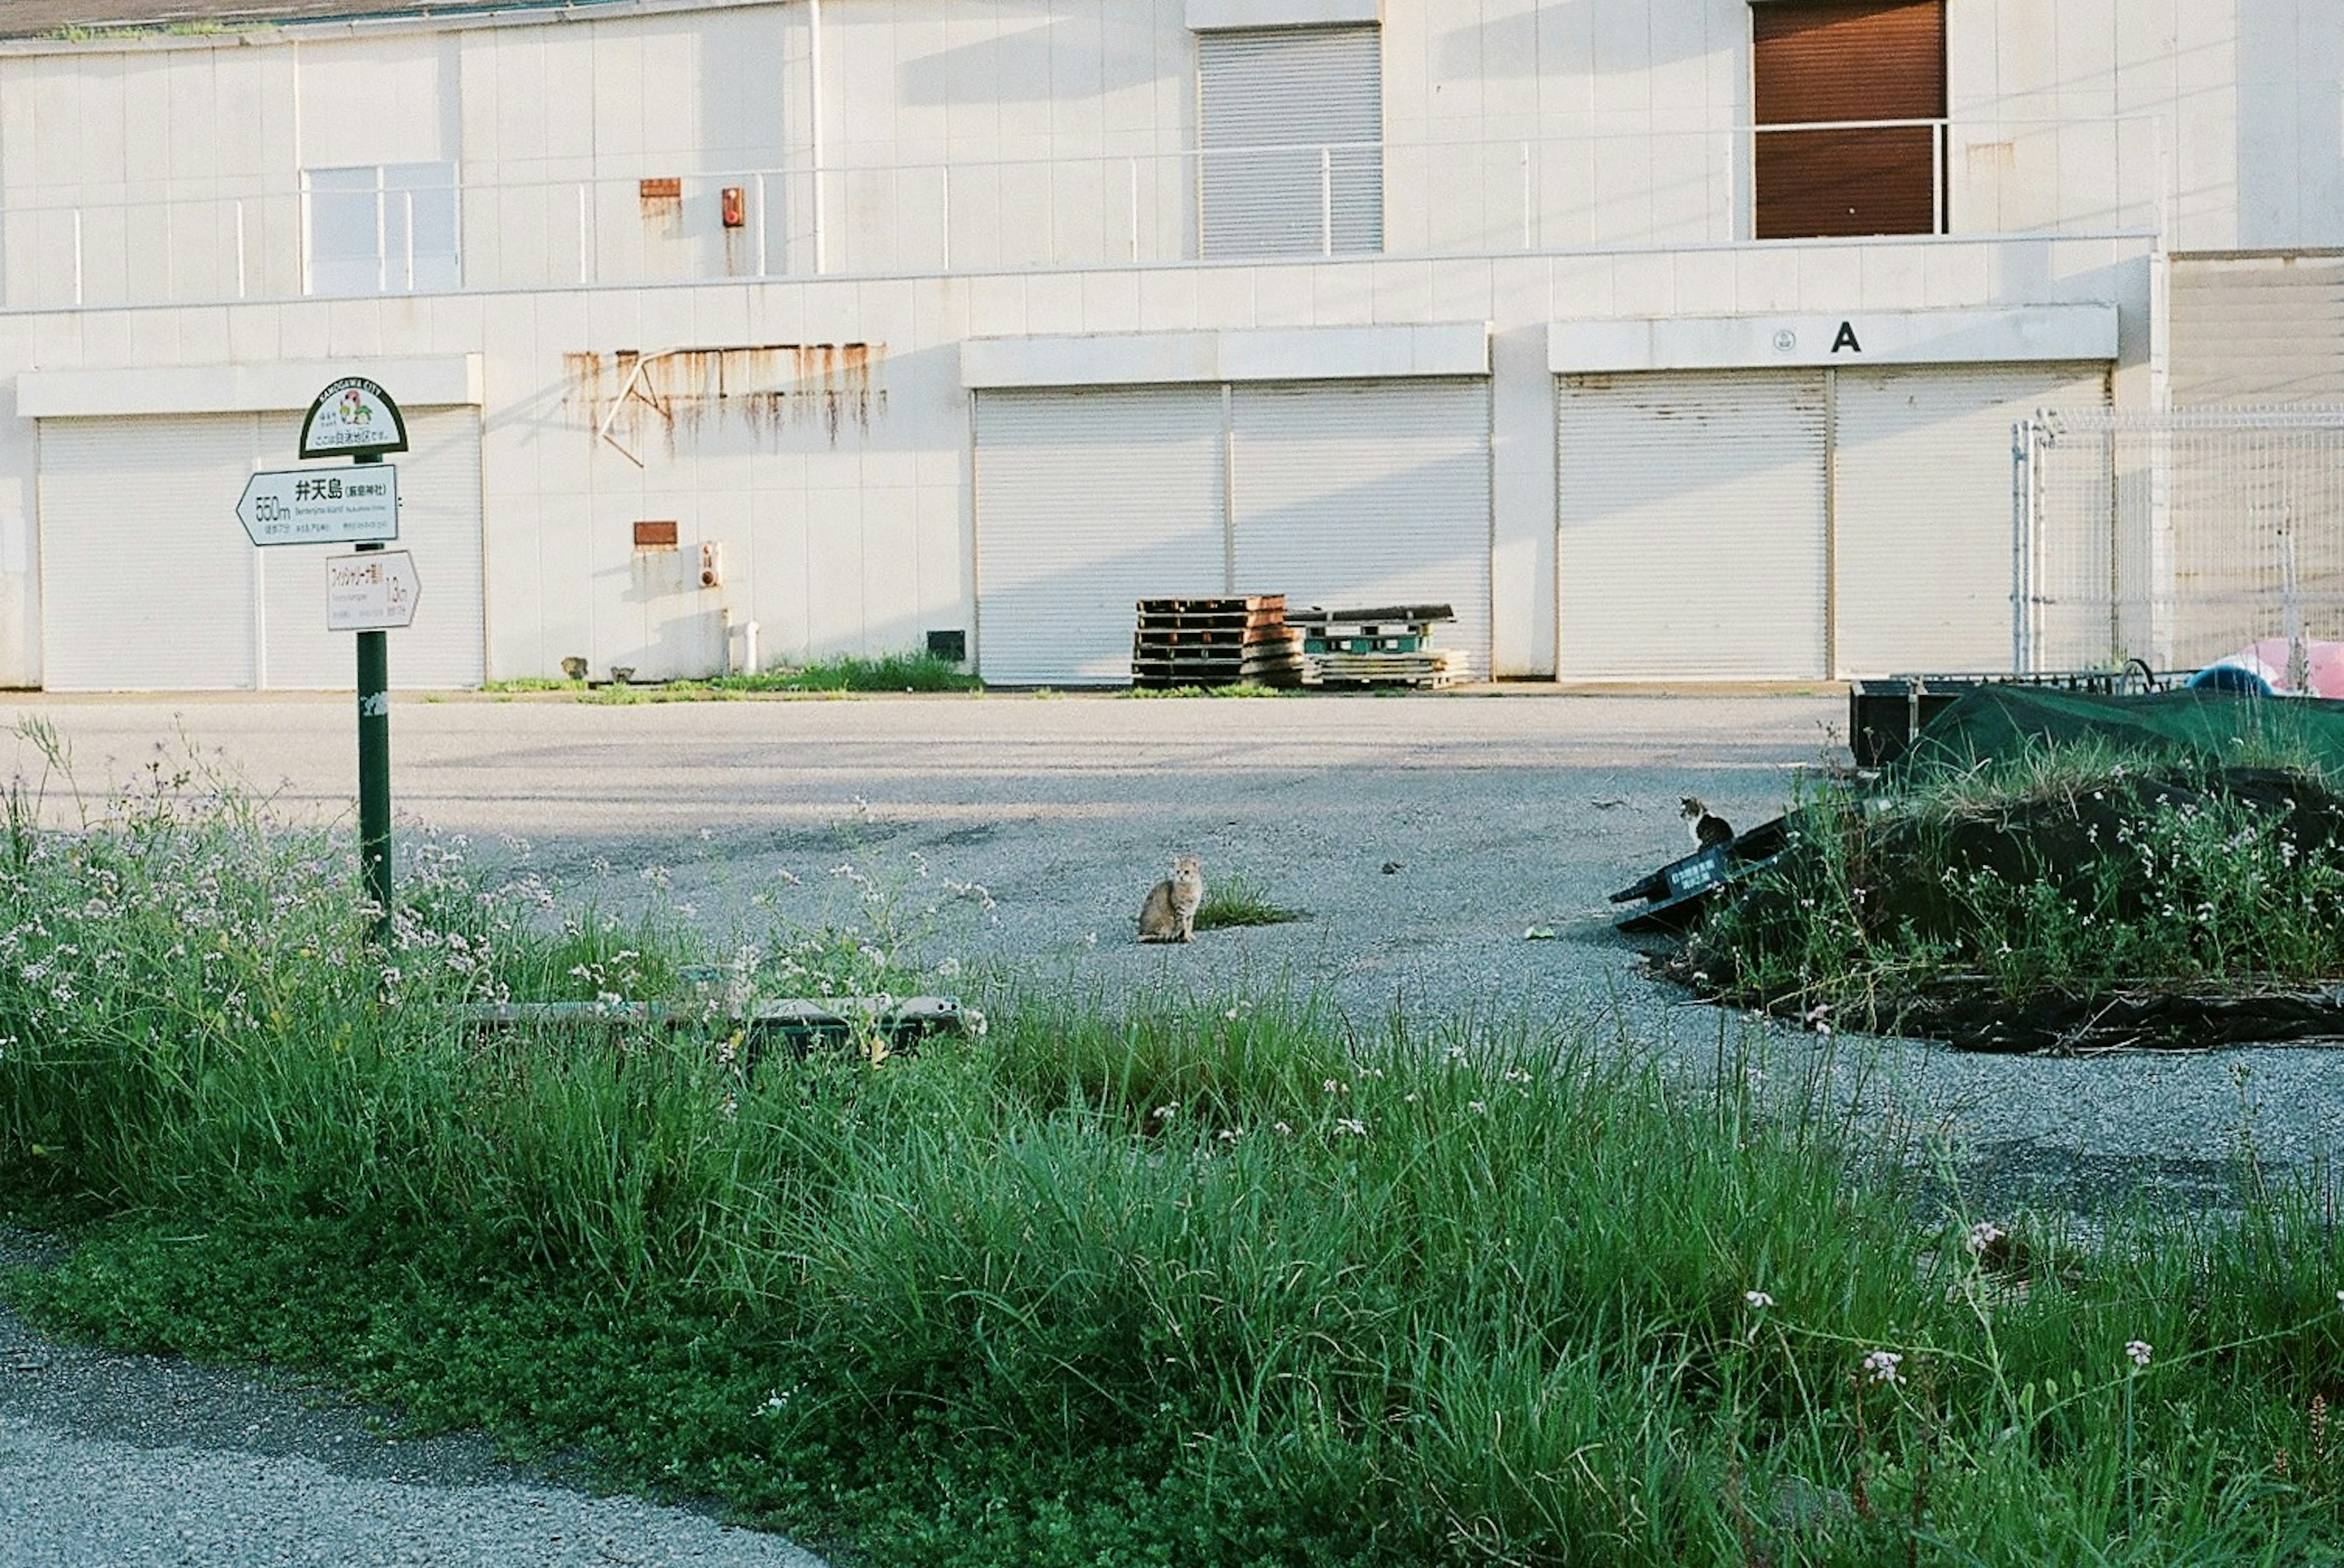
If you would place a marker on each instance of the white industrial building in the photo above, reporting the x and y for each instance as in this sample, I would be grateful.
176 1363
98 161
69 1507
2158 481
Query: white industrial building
1666 339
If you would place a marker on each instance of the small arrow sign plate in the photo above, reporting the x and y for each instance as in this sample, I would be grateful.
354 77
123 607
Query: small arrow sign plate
355 505
373 592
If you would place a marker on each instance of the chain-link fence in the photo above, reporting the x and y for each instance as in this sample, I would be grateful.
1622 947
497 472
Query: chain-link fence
2175 538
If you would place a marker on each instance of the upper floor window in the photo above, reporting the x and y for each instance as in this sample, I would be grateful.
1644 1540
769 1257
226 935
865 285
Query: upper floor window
383 229
1292 161
1830 62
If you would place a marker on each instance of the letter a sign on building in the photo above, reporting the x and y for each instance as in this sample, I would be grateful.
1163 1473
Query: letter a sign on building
353 418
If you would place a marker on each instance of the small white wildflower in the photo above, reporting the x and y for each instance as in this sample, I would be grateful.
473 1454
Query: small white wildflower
1477 1107
1166 1112
1231 1015
1282 1129
1227 1134
1982 1235
1410 1099
1456 1054
1353 1125
1756 1300
1516 1075
2138 1351
1881 1367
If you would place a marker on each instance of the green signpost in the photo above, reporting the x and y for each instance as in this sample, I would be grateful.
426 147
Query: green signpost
369 594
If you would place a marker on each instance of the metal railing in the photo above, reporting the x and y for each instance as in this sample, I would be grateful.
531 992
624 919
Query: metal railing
1577 188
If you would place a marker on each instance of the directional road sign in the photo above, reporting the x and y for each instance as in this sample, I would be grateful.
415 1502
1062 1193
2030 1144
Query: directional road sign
356 505
373 592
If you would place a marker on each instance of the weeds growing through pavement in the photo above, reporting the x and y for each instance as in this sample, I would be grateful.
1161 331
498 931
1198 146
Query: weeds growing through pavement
1236 898
1222 1282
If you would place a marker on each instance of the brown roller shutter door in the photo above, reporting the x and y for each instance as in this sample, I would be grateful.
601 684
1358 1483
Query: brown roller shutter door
1824 60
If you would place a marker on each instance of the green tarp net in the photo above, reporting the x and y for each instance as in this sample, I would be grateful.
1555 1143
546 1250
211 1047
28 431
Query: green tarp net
2220 727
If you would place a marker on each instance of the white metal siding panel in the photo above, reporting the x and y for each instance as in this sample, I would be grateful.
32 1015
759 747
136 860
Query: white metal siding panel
1691 518
1272 101
1087 502
1363 494
1922 509
146 578
2264 330
439 523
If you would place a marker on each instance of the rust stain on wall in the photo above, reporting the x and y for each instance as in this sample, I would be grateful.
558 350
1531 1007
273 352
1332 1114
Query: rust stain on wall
768 388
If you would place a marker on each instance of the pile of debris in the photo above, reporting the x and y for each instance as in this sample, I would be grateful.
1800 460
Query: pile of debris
1911 903
1390 645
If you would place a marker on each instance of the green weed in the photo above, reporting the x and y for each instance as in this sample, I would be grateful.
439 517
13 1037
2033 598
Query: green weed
1236 898
1225 1282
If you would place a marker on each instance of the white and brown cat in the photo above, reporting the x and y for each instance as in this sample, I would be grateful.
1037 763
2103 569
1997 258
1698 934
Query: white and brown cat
1170 913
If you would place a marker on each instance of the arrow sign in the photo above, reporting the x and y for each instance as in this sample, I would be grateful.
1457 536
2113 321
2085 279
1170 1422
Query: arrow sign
310 506
373 592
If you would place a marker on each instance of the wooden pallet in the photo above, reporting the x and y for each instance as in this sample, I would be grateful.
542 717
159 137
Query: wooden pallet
1432 667
1215 643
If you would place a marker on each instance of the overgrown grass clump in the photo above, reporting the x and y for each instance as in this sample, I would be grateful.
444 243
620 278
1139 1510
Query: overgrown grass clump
1215 1283
1236 898
2074 872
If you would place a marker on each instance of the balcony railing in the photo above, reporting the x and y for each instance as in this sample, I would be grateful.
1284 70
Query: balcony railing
1563 192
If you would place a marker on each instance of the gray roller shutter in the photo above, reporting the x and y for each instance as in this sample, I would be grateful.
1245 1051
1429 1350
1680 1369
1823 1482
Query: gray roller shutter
1922 511
149 584
146 582
1691 526
1355 495
1292 122
1087 502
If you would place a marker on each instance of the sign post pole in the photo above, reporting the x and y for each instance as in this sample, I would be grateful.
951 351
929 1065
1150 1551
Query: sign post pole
356 419
374 763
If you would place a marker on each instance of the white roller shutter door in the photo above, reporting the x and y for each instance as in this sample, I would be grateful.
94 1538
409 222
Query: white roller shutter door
439 523
148 584
1691 520
1087 502
1352 495
1292 123
1923 465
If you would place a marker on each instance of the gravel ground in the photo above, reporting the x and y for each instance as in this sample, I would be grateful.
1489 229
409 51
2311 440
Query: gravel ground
1423 835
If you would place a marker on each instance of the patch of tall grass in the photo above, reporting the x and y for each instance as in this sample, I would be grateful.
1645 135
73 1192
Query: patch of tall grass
2073 870
1216 1283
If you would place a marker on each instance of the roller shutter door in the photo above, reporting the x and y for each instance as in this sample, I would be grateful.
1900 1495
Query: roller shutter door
439 521
1922 509
146 582
1355 495
1086 501
1272 100
1691 526
148 585
1829 60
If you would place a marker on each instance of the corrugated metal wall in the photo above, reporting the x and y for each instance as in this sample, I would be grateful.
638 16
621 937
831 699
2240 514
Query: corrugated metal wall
2257 329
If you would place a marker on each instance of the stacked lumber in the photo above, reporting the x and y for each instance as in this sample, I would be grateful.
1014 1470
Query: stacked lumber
1219 642
1386 646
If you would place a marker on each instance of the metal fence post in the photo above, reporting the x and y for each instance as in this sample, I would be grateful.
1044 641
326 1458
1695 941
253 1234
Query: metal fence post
1325 201
2022 531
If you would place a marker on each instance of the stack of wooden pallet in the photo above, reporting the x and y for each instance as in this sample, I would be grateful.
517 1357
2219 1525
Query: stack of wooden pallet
1223 641
1388 645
